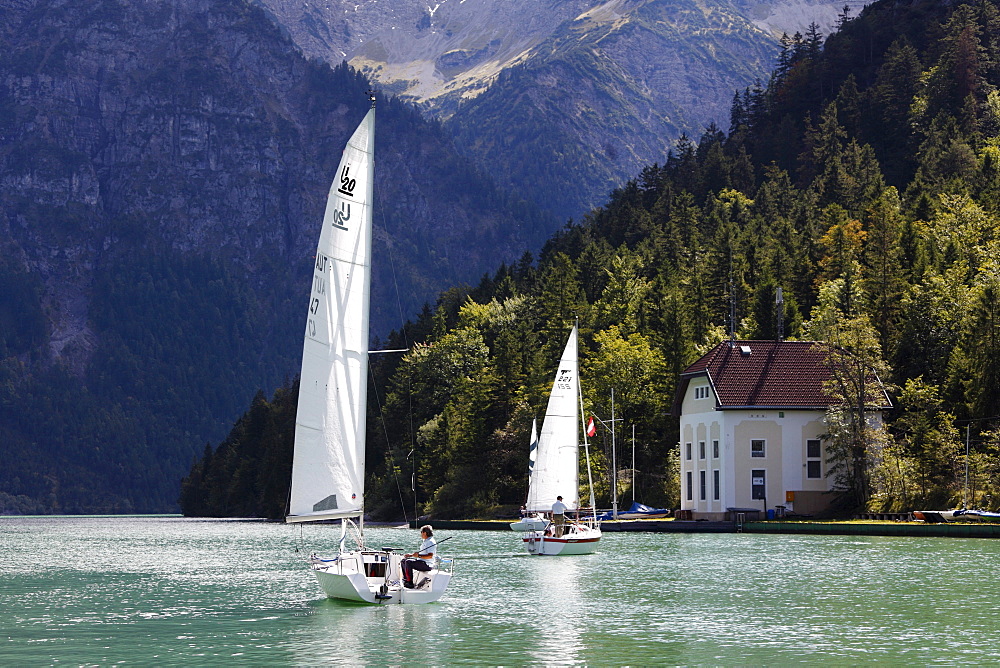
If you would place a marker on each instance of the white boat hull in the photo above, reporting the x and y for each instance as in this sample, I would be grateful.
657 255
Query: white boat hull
578 539
376 578
530 524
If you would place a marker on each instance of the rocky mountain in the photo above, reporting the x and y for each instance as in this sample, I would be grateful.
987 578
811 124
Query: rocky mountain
580 92
163 171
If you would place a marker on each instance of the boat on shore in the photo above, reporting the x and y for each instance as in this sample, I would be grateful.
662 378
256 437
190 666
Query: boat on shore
939 516
637 511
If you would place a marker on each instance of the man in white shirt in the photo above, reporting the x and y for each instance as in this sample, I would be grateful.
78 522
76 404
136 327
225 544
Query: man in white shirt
421 560
559 515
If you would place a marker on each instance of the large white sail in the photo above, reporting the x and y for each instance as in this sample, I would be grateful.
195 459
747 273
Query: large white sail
556 469
328 471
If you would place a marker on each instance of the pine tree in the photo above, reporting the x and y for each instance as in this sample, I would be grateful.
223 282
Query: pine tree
884 283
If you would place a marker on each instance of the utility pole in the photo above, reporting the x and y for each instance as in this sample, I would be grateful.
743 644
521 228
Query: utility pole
633 464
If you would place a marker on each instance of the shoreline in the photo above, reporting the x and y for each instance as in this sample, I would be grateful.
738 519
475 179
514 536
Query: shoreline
793 527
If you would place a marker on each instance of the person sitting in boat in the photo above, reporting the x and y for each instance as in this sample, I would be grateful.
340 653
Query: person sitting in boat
421 560
559 515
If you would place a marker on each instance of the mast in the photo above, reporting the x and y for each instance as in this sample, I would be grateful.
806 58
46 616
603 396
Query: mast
586 455
586 446
363 417
614 461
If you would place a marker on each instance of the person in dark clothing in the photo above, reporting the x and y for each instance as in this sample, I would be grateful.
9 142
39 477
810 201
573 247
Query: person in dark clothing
421 560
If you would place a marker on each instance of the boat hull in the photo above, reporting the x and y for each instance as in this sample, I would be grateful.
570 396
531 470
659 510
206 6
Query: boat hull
578 539
530 524
375 578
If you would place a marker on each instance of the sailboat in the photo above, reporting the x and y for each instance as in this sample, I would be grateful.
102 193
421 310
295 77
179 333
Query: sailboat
938 516
328 466
555 469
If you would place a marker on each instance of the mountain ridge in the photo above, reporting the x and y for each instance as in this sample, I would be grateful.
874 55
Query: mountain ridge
635 73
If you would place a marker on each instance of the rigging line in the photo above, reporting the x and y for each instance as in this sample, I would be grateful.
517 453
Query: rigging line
392 265
388 446
410 432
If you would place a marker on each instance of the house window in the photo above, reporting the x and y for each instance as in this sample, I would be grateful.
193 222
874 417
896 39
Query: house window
757 448
689 486
701 393
715 485
702 476
701 449
758 484
715 449
814 461
813 449
687 451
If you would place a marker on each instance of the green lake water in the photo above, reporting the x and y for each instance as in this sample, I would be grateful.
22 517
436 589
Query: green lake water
168 591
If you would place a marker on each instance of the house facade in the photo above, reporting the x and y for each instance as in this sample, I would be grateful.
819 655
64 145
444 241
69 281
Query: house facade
752 414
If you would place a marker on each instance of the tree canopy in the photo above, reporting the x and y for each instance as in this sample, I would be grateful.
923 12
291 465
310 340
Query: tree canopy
865 183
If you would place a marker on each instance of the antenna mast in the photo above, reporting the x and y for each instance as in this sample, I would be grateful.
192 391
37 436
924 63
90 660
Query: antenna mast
779 301
732 299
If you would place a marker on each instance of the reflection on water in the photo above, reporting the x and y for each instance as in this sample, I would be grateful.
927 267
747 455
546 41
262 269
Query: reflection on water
556 581
168 591
364 635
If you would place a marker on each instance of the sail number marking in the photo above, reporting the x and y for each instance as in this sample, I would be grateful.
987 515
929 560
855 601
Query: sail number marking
564 379
347 184
342 215
319 289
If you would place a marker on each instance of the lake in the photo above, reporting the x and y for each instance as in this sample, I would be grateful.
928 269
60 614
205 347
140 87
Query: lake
170 591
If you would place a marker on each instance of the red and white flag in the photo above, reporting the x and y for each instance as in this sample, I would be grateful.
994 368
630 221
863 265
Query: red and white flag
591 427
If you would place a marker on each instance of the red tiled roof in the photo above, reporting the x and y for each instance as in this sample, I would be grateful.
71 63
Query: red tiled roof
779 374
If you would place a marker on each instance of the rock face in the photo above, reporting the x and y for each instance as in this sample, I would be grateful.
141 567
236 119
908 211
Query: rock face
163 172
616 81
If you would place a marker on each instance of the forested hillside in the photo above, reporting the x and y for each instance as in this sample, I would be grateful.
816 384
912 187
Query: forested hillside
864 179
163 173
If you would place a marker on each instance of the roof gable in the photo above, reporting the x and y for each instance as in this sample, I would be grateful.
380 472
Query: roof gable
785 374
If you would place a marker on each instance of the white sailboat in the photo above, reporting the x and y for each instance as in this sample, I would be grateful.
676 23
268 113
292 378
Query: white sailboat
328 469
555 470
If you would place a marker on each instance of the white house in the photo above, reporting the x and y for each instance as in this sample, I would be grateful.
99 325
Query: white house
751 416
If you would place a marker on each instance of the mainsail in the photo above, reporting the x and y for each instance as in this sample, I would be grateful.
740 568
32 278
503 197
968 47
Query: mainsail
328 473
556 469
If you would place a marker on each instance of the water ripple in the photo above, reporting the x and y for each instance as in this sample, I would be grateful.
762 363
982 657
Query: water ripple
171 591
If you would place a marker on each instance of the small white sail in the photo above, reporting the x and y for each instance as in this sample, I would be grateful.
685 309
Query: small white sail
556 469
533 447
328 471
